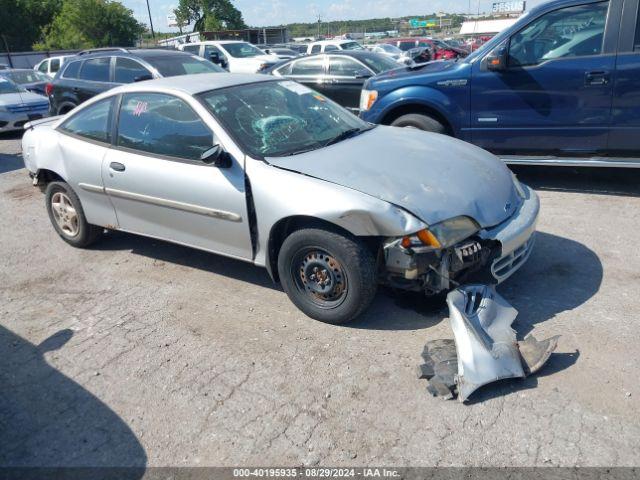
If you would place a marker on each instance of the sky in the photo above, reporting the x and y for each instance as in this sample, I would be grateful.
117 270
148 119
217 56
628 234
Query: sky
258 13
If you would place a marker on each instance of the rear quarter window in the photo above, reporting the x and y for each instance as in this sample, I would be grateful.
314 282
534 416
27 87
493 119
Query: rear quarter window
71 71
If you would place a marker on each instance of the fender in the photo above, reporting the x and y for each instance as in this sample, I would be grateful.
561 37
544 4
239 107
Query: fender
451 105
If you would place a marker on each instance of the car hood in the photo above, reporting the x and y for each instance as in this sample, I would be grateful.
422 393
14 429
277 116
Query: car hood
20 98
433 176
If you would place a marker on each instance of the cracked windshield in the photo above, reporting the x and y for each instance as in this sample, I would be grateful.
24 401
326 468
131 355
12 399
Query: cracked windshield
273 119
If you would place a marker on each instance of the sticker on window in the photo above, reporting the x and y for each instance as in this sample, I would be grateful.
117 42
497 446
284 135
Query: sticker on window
141 108
296 87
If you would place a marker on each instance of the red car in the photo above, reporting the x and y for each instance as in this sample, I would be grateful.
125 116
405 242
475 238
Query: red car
443 51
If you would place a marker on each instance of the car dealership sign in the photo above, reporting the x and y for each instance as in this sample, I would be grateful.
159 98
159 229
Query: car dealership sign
515 6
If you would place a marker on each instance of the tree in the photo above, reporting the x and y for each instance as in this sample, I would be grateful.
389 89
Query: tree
90 24
22 21
208 15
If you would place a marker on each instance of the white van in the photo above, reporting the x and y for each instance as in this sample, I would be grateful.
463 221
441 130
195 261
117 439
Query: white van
233 55
49 66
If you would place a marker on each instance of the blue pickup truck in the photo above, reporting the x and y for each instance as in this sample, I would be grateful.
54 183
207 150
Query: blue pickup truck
561 86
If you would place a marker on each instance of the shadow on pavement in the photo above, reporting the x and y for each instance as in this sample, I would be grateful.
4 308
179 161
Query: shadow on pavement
9 163
48 420
186 256
595 180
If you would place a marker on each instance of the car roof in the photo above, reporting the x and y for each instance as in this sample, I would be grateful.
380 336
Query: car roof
134 52
196 83
330 42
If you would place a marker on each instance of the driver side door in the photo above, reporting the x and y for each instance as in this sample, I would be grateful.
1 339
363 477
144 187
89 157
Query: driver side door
160 187
554 96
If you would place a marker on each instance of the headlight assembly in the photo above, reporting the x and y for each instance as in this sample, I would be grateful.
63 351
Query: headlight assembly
367 99
443 234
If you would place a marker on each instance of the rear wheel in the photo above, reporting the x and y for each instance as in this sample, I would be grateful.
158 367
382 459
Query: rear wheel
67 216
329 276
422 122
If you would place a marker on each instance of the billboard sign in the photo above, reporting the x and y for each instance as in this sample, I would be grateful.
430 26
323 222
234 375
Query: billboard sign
515 6
416 23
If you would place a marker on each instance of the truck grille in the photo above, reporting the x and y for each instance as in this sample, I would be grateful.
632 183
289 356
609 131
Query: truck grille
505 266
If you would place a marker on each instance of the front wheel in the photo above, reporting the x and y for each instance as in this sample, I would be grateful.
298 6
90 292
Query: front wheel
329 276
422 122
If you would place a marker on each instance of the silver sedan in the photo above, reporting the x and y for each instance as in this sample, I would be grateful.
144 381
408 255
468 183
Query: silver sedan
270 172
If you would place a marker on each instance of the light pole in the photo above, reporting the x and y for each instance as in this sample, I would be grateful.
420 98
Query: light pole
153 35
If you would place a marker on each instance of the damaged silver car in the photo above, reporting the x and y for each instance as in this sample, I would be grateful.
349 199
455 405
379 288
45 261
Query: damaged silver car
271 172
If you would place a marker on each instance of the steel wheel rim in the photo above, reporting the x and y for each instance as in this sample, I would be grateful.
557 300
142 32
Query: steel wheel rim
65 214
320 277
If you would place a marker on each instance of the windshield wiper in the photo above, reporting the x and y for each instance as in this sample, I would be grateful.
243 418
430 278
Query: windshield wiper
352 132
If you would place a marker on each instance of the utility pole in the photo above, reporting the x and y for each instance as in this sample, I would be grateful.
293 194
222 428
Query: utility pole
153 35
319 22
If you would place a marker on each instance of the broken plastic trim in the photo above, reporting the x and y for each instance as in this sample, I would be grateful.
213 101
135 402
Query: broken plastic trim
486 349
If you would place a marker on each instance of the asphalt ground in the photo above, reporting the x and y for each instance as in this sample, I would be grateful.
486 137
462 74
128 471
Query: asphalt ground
137 352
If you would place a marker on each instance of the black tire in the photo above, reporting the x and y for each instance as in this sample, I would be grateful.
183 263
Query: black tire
423 122
86 233
350 274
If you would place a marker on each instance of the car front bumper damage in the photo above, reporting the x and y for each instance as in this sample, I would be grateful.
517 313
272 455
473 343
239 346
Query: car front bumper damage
490 256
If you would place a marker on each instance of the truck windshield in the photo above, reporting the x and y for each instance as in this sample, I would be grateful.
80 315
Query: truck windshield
172 65
242 50
272 119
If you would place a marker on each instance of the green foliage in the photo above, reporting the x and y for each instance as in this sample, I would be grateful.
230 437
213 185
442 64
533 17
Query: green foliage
90 24
209 15
22 21
359 26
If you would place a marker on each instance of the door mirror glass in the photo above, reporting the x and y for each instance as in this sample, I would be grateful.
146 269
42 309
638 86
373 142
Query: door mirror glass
216 156
363 73
142 78
496 60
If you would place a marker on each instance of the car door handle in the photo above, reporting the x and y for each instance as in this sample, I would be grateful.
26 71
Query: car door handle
596 78
117 166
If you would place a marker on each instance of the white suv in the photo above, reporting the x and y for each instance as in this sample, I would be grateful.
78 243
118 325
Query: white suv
332 46
233 55
49 66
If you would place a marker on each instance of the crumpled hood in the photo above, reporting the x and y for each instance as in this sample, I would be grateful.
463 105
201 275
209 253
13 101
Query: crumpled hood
435 177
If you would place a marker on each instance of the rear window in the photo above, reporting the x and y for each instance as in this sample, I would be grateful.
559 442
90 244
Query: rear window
404 46
96 69
72 70
172 65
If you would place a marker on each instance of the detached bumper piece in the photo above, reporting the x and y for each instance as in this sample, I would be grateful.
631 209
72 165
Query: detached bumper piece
485 348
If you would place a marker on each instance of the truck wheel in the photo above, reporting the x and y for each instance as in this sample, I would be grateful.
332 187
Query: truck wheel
329 276
67 216
423 122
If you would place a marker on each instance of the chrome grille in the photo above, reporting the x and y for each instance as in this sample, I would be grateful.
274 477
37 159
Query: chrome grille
32 107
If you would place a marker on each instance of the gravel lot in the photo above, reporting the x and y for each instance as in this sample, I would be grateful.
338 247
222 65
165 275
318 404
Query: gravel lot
139 352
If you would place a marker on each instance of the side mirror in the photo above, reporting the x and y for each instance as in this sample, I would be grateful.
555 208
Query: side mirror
496 60
216 156
215 58
363 74
142 78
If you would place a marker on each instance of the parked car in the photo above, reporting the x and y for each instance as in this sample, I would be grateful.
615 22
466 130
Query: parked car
95 71
538 93
418 56
442 51
50 66
332 46
338 75
18 106
281 52
386 49
268 171
28 79
232 55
